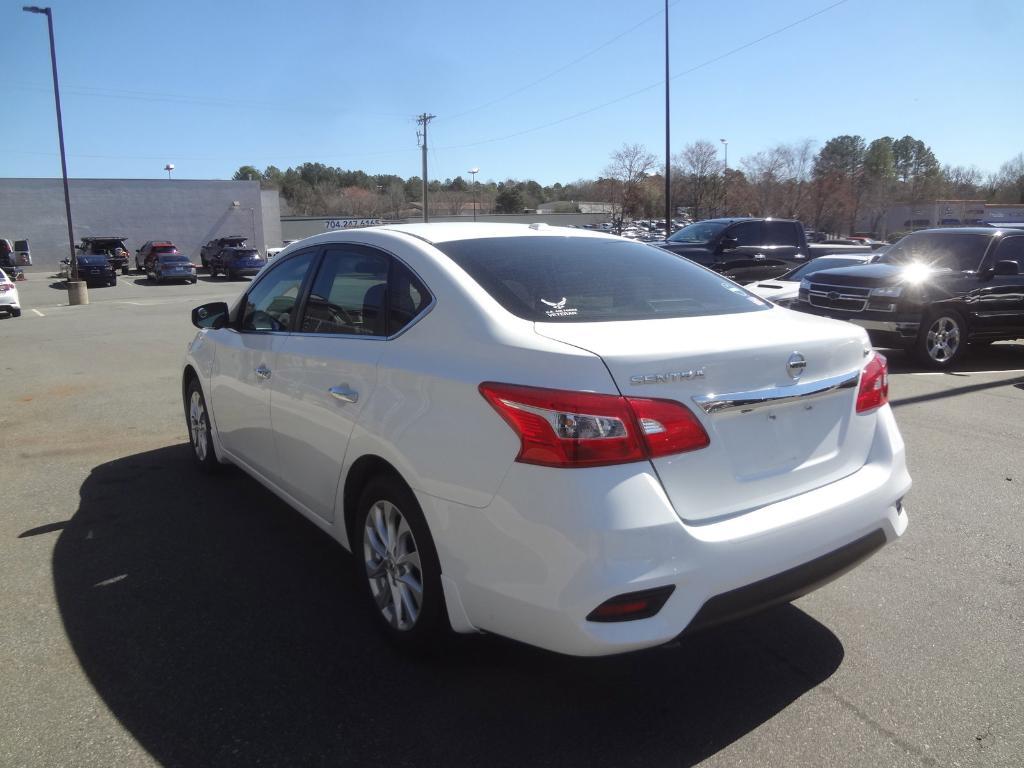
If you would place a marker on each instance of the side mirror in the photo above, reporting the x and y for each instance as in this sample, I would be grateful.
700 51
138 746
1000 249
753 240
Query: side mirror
213 315
1006 267
728 243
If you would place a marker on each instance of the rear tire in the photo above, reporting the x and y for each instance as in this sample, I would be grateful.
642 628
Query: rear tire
942 340
397 566
15 313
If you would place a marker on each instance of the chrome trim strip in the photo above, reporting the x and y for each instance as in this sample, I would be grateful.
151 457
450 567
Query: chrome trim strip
748 401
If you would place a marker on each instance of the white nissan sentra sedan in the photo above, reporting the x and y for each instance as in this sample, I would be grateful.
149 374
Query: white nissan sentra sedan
563 437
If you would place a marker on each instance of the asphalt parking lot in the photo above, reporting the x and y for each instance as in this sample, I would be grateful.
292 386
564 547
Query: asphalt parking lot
151 615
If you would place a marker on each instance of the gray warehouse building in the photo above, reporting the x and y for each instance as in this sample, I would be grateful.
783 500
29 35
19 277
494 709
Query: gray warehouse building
185 211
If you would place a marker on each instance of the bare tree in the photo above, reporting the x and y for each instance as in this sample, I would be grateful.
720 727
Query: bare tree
699 173
628 169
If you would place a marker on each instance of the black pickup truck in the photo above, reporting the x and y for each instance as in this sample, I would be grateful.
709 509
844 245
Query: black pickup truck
933 293
746 249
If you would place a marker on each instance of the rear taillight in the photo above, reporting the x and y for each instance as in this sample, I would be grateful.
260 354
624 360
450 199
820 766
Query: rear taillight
559 428
5 287
874 384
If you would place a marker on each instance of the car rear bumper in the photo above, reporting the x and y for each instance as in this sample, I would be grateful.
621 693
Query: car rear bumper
554 544
243 271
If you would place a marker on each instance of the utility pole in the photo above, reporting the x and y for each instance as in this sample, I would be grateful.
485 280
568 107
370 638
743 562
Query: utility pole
423 120
668 156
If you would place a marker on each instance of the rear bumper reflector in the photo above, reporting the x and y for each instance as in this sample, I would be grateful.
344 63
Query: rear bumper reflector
632 605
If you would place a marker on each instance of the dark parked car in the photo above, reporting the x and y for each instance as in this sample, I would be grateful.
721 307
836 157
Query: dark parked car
235 262
170 266
749 249
95 269
145 255
113 248
212 249
932 293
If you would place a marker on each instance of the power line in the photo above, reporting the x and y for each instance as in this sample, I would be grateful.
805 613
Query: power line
561 69
646 88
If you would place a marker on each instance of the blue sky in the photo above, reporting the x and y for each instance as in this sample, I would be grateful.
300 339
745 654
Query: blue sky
211 85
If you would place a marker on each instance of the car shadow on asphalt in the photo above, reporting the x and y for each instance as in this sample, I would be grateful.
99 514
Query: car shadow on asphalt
1000 356
221 628
224 279
145 282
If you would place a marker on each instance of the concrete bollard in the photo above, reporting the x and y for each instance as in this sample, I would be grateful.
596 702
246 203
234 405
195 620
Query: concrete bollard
78 292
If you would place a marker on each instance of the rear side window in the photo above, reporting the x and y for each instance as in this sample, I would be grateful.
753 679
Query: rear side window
780 233
582 279
746 233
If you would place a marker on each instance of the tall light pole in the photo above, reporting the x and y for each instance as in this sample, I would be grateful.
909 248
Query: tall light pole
668 155
725 176
60 139
169 167
473 172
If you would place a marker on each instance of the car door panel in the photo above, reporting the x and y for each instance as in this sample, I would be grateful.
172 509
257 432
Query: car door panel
312 424
240 397
327 371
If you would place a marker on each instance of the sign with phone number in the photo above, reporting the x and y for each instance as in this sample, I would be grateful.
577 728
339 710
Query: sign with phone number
350 223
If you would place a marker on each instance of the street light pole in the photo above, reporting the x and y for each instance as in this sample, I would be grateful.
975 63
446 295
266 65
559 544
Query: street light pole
725 176
60 136
473 172
668 156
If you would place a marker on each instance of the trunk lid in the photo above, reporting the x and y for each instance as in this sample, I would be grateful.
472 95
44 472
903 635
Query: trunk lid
761 452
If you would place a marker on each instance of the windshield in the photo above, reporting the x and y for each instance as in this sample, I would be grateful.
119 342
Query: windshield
701 232
823 262
957 251
583 279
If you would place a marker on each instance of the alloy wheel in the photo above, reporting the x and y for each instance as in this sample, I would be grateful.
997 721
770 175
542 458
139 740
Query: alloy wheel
943 339
392 561
198 425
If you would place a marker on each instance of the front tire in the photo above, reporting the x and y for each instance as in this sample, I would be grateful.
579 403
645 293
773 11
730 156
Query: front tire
942 340
197 417
397 565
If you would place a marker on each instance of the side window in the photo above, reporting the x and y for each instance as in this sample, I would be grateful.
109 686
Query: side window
746 233
268 306
1011 249
349 293
780 233
407 297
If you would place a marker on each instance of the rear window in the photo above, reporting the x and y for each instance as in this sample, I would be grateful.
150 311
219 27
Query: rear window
585 280
172 258
165 249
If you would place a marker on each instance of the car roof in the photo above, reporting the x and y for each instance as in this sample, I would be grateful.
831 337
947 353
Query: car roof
991 231
446 232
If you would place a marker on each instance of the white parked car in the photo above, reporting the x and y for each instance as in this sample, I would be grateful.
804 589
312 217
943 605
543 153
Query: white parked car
784 289
9 301
563 437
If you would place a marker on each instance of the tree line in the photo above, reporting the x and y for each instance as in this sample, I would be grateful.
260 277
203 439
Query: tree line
848 180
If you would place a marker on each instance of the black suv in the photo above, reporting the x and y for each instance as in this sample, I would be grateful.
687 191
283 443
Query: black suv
112 247
932 293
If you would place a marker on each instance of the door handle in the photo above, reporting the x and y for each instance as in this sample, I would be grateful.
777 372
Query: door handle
262 372
344 394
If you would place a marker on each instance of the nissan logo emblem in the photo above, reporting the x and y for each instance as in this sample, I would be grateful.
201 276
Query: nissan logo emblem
795 365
